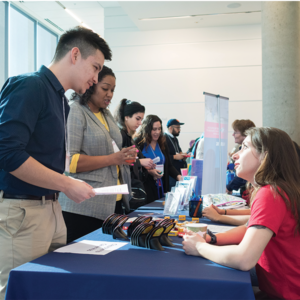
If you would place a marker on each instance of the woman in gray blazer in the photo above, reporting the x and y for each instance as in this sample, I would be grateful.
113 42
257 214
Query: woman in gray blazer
93 140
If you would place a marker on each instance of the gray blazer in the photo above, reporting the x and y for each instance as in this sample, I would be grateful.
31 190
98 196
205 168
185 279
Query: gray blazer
87 135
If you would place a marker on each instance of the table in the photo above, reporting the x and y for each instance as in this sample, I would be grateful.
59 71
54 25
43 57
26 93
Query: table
128 273
156 205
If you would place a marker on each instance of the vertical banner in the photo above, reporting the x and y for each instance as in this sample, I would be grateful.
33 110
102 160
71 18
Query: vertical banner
215 144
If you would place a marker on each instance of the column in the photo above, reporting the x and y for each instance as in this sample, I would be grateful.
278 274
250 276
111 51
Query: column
280 66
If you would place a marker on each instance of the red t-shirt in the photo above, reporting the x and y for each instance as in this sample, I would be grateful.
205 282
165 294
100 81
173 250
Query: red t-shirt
278 269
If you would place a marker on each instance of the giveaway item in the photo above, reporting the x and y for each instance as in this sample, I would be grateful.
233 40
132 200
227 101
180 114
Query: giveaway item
164 238
223 201
143 231
199 228
118 231
113 225
152 239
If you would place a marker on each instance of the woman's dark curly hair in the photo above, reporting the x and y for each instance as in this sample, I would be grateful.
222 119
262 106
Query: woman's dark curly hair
85 98
144 135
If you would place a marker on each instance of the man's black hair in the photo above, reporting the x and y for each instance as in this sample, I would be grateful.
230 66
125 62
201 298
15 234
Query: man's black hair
85 40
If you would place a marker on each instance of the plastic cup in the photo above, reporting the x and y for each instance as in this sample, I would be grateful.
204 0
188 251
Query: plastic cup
184 172
199 228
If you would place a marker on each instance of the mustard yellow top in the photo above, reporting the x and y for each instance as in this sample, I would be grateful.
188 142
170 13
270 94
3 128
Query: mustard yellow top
75 157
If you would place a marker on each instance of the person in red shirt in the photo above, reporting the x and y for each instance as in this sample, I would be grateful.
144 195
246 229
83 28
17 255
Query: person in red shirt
271 240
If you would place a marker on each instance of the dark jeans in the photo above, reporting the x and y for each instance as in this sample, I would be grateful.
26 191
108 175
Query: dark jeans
79 225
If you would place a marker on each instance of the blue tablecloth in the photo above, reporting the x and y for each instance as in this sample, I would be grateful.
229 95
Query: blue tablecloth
157 205
128 273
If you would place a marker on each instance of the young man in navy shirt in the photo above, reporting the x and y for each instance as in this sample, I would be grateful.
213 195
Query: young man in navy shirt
33 148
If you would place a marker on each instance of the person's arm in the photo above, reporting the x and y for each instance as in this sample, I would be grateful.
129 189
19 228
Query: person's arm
147 163
231 237
19 114
32 172
89 163
168 164
76 127
200 150
238 217
243 256
232 212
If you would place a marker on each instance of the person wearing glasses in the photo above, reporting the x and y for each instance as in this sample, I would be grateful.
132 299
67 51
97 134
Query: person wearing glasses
176 155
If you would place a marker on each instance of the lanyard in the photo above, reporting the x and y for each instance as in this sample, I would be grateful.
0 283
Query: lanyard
176 148
65 125
163 161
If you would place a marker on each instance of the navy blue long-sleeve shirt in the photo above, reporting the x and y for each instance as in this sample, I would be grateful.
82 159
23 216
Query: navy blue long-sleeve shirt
31 124
236 183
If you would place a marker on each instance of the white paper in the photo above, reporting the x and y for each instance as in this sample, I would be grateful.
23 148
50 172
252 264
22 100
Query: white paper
91 247
112 190
156 160
219 228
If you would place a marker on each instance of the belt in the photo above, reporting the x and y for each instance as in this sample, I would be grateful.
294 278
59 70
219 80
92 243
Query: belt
53 197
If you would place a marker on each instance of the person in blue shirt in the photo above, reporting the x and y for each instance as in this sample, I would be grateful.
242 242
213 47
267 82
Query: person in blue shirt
34 152
152 142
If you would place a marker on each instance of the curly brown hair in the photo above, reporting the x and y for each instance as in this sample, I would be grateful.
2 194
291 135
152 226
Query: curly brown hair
144 135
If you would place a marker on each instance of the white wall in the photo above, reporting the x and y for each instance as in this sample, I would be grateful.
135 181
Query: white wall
168 71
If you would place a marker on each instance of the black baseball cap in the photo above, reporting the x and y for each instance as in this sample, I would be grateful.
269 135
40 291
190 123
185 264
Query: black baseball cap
173 122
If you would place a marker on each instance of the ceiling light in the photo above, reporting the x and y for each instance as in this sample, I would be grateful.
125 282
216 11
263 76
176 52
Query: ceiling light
193 16
165 18
73 15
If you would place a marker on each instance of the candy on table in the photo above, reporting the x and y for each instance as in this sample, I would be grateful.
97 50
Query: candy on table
181 217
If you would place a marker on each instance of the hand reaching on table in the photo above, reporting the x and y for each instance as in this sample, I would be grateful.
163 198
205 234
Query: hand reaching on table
191 240
212 212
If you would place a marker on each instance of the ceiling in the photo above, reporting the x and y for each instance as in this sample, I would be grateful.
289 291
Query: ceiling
126 15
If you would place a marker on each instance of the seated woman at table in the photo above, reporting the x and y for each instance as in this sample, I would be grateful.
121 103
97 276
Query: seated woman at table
129 116
151 141
271 240
94 141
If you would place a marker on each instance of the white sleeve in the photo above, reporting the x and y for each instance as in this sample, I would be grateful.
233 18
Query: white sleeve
200 150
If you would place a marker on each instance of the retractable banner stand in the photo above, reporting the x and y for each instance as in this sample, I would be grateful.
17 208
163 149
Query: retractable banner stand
215 144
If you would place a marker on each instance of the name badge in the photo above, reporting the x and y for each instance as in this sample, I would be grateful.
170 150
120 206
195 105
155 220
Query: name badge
115 146
160 168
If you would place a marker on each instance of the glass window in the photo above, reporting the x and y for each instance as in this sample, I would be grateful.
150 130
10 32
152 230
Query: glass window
2 44
21 43
46 44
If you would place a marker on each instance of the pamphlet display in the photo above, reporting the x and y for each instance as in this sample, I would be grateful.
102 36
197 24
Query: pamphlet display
215 144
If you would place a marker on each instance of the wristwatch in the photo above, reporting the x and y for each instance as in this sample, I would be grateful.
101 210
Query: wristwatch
213 237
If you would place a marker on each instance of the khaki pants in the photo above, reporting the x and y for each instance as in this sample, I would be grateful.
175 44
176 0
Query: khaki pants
28 230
